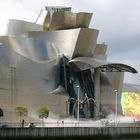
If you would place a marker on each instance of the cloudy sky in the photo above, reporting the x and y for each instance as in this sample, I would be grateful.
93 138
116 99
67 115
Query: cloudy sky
117 20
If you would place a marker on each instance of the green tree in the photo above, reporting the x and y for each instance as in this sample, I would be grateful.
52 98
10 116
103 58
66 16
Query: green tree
43 113
21 112
1 113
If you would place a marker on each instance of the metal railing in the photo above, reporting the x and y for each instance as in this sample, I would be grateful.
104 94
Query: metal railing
68 131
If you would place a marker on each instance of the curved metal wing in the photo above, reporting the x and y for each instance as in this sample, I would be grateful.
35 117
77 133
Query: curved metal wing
103 65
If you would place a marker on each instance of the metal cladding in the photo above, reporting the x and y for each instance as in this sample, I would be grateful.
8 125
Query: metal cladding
72 43
62 18
104 65
51 67
19 27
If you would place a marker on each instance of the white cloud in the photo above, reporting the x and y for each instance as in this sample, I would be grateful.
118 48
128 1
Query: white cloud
15 9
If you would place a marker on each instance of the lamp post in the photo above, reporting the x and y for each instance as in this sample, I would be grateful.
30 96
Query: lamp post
78 104
66 107
116 104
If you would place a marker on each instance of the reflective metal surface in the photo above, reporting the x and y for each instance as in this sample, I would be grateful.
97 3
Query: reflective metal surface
66 20
18 27
44 68
104 65
72 43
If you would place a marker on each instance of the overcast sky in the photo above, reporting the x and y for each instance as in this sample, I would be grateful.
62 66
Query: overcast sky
117 20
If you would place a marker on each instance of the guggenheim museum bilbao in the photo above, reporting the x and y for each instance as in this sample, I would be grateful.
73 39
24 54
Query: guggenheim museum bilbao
58 65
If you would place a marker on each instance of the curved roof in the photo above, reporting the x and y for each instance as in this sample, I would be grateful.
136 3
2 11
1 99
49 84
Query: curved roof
103 65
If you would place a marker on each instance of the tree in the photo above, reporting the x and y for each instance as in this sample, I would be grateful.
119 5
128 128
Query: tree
21 112
42 113
1 113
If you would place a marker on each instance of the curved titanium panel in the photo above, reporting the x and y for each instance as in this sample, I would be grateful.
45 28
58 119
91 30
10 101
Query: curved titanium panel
41 46
86 43
72 42
63 41
100 49
36 49
104 65
47 21
51 10
62 20
43 76
83 19
18 27
66 20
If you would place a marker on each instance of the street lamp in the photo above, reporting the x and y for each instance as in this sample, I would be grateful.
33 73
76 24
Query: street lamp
66 107
116 103
77 103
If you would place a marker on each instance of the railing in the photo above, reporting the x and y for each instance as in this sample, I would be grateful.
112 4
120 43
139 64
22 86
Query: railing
68 128
68 131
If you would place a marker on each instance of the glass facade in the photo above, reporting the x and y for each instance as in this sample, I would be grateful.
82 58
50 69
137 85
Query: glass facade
72 80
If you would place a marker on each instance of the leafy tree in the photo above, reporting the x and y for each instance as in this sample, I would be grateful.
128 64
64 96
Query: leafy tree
42 113
21 111
1 113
